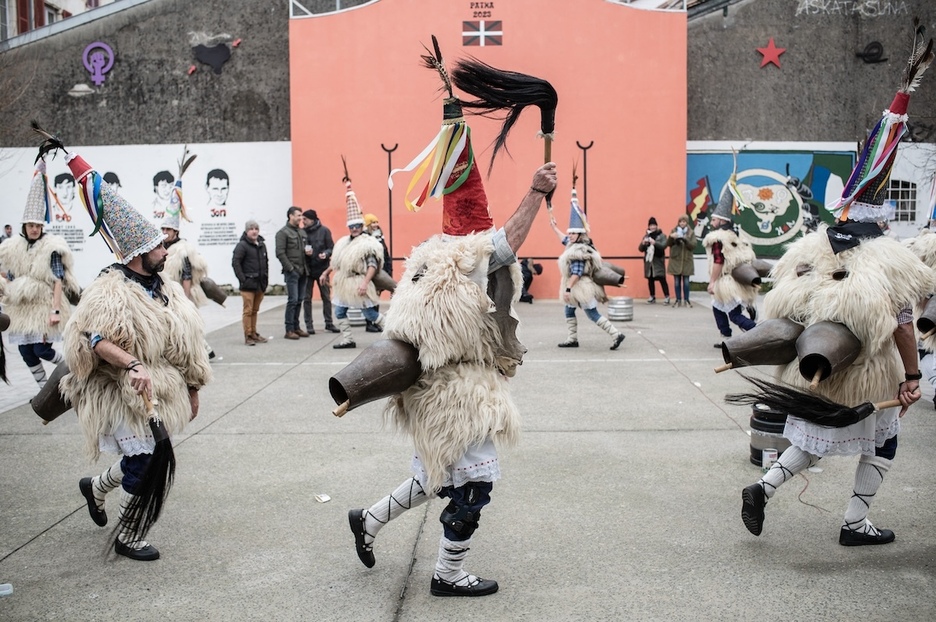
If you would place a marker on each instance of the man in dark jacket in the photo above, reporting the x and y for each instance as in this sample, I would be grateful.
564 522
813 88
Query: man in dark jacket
320 239
291 250
252 268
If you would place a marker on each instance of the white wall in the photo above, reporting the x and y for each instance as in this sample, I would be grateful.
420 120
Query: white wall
260 189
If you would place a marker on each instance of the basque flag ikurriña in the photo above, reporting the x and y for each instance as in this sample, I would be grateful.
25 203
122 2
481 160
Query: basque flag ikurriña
483 33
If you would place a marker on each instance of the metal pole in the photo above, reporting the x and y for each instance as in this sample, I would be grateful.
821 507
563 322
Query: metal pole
390 197
585 149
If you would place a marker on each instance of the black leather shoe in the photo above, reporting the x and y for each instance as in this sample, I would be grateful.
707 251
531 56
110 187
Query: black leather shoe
483 587
753 501
373 328
617 341
344 345
147 554
847 537
569 344
356 520
332 328
98 516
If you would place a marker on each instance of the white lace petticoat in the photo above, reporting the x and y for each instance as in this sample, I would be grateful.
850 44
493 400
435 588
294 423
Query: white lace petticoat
858 438
478 464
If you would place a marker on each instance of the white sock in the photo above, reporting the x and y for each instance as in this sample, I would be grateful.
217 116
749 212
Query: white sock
449 565
407 495
106 482
868 477
39 374
123 533
791 462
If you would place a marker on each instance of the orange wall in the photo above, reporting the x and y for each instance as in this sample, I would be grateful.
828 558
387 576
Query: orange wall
356 82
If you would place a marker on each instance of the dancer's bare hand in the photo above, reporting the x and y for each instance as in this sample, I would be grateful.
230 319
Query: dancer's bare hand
908 393
141 382
545 178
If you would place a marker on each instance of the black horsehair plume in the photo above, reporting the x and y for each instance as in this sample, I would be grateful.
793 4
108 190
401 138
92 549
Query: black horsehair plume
921 55
574 174
144 508
507 92
433 60
346 179
808 406
50 142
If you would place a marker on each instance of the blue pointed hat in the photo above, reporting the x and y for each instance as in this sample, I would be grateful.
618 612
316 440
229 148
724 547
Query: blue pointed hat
577 221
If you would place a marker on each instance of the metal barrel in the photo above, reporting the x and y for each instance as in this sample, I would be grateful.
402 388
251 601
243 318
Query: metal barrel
621 309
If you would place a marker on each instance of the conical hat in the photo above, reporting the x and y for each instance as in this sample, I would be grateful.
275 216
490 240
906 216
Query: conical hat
863 199
577 220
355 215
37 202
725 205
464 205
125 230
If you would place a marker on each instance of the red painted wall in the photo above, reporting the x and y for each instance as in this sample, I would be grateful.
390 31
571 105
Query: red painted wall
357 83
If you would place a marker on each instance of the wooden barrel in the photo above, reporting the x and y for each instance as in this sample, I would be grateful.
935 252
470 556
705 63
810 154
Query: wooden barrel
766 432
621 309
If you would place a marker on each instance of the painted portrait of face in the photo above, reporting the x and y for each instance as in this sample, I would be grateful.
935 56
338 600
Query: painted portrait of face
217 184
65 189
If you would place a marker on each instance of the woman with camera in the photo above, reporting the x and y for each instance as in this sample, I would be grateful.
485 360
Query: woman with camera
653 246
681 242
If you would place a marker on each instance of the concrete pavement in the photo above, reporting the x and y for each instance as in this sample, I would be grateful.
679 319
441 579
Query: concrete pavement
622 501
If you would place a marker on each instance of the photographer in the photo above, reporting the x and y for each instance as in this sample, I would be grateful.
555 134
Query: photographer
653 246
681 242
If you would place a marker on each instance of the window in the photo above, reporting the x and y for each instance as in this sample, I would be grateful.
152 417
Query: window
51 14
903 196
92 4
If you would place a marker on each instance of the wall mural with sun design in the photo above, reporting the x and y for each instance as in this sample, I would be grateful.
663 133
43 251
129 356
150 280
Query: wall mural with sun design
784 192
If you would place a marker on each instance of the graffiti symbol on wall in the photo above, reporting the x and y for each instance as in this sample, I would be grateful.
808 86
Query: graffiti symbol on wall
98 59
864 8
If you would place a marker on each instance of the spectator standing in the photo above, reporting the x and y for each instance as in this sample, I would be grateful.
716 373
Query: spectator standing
372 227
252 268
653 246
681 242
291 252
319 238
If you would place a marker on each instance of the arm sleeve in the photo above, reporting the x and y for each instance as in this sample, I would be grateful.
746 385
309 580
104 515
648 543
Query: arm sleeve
58 269
503 255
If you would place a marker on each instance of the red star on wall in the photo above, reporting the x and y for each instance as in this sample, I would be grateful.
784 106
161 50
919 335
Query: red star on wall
771 53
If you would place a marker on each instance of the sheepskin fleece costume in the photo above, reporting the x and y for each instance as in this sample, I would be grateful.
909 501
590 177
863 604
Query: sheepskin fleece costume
28 297
924 247
167 339
883 277
585 289
736 252
348 261
177 253
443 308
